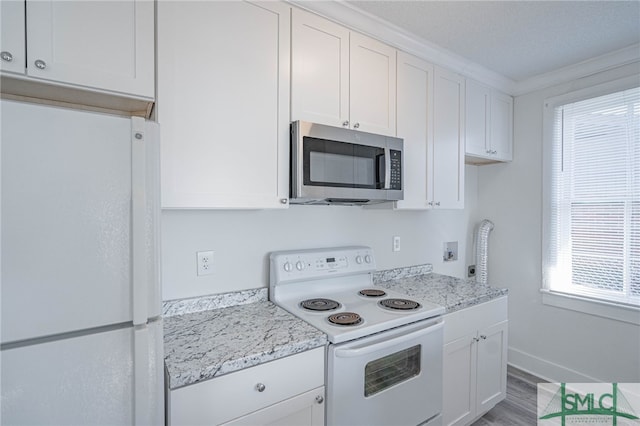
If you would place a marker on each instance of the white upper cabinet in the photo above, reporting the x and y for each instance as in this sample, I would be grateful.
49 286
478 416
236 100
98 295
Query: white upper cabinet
341 78
319 70
372 86
489 127
415 126
223 104
448 139
502 126
94 45
478 136
12 45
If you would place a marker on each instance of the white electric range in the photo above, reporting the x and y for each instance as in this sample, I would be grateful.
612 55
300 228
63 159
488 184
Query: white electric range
384 360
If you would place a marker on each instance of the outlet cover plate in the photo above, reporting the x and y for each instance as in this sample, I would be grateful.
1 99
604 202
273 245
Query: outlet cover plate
205 262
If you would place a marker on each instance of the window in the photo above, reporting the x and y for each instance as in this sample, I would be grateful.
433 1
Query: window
592 195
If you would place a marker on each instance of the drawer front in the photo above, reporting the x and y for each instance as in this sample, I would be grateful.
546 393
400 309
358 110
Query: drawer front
467 321
233 395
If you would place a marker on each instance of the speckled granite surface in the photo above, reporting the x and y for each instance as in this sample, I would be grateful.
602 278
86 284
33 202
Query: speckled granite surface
214 335
452 293
214 301
397 273
202 345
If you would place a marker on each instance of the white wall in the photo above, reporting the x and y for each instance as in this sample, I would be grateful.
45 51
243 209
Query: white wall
242 240
555 343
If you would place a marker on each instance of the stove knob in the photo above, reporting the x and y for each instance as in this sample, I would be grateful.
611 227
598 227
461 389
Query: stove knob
358 259
367 259
288 267
299 265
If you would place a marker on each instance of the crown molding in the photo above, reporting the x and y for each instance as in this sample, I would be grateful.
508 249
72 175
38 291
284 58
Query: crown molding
373 26
582 69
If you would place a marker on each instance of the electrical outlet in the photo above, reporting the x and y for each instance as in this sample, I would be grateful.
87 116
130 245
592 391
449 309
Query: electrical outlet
471 271
396 243
205 262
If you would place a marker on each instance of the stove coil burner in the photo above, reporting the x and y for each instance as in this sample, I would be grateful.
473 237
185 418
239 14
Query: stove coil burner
372 292
320 304
399 304
345 318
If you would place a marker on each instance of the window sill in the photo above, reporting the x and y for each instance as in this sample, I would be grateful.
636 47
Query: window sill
595 307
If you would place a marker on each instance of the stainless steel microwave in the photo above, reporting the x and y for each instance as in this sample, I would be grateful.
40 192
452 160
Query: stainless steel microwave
333 165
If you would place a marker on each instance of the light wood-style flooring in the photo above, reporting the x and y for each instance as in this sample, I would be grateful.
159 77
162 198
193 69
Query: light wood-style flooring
519 407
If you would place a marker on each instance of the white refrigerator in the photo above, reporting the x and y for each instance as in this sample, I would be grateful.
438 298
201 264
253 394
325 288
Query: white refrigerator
81 324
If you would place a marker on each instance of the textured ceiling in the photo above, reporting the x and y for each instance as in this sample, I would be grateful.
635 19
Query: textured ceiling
518 39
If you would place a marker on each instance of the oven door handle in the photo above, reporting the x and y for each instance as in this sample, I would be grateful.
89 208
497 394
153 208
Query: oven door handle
366 349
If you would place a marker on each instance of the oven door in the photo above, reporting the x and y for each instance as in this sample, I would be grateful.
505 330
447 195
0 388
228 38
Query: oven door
390 378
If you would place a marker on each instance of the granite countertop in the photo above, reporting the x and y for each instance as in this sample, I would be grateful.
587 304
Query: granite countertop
452 293
204 339
210 336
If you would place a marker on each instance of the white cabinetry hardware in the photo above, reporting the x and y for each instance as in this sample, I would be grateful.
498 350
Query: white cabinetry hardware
475 361
489 127
290 391
340 77
72 52
223 104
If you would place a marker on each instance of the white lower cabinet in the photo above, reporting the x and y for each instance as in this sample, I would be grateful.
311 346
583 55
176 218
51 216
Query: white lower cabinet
475 361
286 391
304 410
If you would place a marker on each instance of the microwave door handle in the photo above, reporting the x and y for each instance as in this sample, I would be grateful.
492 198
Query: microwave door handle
387 168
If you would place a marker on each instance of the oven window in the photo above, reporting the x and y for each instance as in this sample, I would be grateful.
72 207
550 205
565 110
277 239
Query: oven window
390 370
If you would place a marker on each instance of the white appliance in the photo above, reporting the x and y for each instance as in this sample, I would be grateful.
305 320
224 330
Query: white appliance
384 360
81 339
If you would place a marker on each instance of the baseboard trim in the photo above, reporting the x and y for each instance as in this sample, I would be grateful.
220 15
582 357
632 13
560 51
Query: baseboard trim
546 370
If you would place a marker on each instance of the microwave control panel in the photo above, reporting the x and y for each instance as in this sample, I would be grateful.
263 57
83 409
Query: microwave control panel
396 169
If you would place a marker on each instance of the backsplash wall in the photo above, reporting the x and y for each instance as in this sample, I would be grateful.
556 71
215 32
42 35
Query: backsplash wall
242 240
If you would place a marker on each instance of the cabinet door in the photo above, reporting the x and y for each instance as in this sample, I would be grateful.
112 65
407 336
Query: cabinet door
306 409
100 44
223 104
319 70
415 106
448 140
459 381
12 30
502 126
372 86
478 109
492 366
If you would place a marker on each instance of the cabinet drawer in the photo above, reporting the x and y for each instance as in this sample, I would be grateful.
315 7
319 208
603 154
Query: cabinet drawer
230 396
469 320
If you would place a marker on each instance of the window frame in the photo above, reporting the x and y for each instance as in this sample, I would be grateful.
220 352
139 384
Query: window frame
572 301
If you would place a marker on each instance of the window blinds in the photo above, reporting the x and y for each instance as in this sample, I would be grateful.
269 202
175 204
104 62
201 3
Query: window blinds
595 198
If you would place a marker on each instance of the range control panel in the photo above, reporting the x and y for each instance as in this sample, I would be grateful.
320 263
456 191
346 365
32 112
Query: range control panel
288 266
